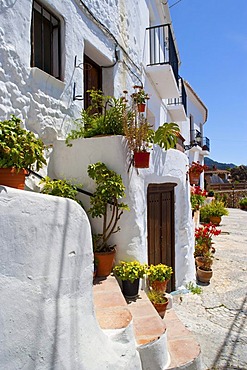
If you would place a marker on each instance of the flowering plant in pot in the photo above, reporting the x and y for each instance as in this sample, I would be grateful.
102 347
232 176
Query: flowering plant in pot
204 234
140 98
197 197
204 271
158 276
20 150
130 274
195 170
105 205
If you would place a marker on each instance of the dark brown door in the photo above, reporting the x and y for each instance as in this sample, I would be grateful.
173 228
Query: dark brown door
92 78
161 234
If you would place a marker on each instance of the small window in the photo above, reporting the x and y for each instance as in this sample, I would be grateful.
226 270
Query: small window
45 53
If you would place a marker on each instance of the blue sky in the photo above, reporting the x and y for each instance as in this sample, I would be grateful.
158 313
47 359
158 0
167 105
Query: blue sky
212 41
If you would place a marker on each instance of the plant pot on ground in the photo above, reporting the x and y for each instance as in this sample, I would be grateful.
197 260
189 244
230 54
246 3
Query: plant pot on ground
20 151
204 272
130 273
159 301
105 205
158 276
214 209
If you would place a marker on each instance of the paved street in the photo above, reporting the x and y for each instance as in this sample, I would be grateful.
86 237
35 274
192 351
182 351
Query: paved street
218 316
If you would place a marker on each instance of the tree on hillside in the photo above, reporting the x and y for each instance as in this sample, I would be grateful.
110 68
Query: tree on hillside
239 174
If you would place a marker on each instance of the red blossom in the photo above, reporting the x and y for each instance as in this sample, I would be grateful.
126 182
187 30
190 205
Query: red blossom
204 234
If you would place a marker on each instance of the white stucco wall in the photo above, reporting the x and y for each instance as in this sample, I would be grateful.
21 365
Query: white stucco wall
165 166
47 318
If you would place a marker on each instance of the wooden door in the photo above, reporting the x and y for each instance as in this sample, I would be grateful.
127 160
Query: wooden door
161 230
92 78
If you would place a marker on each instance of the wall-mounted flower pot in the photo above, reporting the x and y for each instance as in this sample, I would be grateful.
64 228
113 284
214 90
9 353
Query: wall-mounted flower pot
194 178
130 290
141 107
105 262
141 159
13 178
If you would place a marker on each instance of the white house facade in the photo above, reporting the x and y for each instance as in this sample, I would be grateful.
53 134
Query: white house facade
51 53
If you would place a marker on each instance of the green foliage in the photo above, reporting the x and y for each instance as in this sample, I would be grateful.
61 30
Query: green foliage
195 289
103 117
207 260
60 188
239 174
243 202
109 188
19 148
159 272
140 96
215 208
166 135
130 270
156 297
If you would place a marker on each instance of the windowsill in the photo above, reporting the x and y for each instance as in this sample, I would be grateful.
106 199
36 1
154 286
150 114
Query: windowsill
42 77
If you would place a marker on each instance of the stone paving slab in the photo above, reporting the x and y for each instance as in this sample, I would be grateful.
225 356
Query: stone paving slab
218 317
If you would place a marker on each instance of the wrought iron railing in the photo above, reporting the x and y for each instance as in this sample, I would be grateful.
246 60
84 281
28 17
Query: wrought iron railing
196 139
205 144
162 48
182 100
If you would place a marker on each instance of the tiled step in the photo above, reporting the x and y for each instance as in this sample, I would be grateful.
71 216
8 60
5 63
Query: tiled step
113 312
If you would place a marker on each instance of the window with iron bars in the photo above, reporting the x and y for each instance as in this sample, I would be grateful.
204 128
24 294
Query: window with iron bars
45 35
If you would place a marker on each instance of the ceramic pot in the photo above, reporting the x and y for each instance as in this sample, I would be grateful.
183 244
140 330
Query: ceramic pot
199 261
130 290
161 307
141 159
105 262
216 220
194 178
141 107
13 178
204 276
159 286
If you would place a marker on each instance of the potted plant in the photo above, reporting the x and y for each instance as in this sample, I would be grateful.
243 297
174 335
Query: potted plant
19 151
197 197
215 210
139 98
159 301
104 116
195 170
158 276
130 273
205 272
243 203
105 205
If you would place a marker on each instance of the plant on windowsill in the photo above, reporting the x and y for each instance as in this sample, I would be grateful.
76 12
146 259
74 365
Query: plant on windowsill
158 276
20 151
105 205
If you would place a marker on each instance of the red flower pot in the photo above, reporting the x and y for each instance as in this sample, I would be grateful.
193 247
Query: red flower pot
13 178
141 159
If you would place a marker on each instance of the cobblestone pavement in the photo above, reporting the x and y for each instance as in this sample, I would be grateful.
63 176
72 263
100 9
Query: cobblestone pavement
218 316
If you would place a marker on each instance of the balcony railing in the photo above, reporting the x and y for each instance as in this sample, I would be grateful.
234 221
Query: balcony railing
197 140
162 48
182 100
206 144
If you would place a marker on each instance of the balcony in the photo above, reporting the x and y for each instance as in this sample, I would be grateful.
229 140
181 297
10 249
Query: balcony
162 65
177 107
197 141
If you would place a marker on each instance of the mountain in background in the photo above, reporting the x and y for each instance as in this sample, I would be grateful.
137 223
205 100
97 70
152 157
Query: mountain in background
220 166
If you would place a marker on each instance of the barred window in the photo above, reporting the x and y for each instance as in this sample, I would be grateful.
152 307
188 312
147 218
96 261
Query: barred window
45 35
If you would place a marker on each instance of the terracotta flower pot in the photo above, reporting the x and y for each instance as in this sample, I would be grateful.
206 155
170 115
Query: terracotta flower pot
141 159
159 286
141 107
105 262
13 178
199 261
161 307
215 220
194 178
204 276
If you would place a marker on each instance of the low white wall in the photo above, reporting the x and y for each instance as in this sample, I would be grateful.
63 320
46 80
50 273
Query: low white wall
47 318
165 166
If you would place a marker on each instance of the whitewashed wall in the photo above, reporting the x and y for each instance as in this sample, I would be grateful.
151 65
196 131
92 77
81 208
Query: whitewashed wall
165 166
47 317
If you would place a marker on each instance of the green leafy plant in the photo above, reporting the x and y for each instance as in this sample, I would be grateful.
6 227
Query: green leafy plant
19 148
194 289
156 297
166 135
243 203
103 117
159 272
109 188
215 208
60 188
130 270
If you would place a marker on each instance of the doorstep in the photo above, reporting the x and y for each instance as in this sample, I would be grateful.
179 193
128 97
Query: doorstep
114 312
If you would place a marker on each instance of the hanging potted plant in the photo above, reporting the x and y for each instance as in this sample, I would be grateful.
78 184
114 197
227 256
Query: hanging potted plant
159 301
195 171
105 205
20 150
158 276
130 273
140 98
